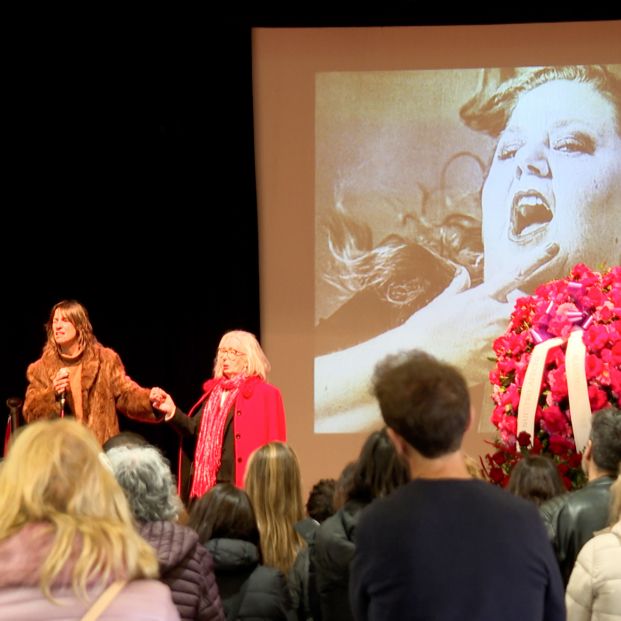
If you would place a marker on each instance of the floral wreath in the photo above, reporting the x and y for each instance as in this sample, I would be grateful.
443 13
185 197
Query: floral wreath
589 301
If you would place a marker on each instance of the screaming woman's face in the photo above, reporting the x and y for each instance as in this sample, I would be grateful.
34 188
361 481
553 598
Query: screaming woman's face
555 179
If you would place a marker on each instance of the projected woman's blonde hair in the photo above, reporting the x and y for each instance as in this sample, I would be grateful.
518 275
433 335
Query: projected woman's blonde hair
490 108
54 474
273 482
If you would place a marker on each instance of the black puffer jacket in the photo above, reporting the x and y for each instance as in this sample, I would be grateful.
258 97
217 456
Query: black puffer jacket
266 593
300 586
187 568
330 555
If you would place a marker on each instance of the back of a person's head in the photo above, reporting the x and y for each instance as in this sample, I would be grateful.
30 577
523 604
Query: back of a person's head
124 438
536 478
424 400
55 473
379 469
145 476
225 511
53 469
606 440
274 485
343 484
320 502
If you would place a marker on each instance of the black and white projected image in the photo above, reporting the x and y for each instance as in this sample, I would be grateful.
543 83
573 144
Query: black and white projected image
441 197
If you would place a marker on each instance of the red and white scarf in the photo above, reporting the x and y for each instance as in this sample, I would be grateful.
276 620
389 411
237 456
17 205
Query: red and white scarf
208 454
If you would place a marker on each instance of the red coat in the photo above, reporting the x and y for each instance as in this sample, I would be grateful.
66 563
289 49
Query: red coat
259 418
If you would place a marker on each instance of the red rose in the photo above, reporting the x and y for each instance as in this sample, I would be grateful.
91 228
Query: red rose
597 398
586 299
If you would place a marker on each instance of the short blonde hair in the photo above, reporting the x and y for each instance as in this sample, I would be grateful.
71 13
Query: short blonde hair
246 342
274 484
55 474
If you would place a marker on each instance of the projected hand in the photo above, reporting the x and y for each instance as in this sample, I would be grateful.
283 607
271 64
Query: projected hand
459 326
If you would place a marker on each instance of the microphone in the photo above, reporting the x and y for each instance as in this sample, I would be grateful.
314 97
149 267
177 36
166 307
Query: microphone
62 398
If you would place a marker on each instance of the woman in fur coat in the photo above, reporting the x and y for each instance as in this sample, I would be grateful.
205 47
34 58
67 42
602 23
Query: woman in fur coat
77 376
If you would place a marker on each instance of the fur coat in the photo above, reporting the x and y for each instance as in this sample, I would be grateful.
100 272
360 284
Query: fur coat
106 389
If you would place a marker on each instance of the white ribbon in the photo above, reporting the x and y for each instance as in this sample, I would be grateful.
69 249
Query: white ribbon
577 389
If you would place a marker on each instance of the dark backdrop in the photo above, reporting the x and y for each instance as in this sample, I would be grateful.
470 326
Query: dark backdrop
130 181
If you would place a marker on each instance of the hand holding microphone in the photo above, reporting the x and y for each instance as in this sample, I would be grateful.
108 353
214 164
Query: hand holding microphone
61 383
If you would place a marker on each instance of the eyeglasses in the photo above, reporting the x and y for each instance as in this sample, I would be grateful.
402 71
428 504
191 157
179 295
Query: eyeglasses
227 351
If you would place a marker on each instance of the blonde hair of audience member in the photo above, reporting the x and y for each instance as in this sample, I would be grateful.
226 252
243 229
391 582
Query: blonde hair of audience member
54 473
273 483
473 467
247 344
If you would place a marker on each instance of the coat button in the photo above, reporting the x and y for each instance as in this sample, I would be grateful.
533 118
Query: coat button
237 436
238 412
239 460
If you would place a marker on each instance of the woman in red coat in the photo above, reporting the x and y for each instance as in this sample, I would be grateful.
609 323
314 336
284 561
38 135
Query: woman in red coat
238 412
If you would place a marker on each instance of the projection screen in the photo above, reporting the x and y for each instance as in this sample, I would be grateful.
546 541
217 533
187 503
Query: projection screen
412 183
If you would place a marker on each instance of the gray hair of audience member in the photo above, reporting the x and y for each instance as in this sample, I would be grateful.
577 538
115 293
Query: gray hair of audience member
145 476
606 440
124 438
424 400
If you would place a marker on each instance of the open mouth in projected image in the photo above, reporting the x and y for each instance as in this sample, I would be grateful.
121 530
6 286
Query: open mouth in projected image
531 213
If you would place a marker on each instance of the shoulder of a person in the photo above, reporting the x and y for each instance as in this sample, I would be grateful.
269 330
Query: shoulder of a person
502 500
36 367
605 540
49 359
263 578
336 527
146 591
161 531
104 353
257 385
550 508
593 494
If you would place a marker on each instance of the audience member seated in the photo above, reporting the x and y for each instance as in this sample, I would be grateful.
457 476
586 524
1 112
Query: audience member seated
185 565
378 471
594 589
536 478
572 519
226 524
67 534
